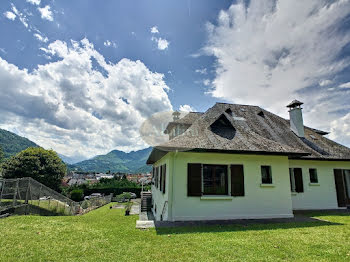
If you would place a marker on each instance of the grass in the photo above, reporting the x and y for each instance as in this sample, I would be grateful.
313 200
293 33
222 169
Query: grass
107 235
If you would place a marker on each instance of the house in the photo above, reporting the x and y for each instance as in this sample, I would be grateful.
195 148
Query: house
241 161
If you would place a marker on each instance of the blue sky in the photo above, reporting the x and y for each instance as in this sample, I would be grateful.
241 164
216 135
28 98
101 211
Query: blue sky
81 76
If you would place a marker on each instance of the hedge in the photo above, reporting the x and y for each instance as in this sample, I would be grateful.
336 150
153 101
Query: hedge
113 190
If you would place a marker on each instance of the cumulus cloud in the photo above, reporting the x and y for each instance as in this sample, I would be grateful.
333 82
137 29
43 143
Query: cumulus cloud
34 2
154 30
162 44
269 52
325 82
340 129
186 108
41 38
81 104
108 43
202 71
46 12
345 85
10 15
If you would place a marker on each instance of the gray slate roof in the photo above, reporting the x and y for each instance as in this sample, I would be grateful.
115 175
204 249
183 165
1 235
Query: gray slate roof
256 131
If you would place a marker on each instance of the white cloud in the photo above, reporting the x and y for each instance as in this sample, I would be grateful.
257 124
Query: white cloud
206 82
202 71
186 108
10 15
325 82
80 104
46 13
34 2
345 85
41 38
15 13
154 30
269 52
162 44
110 43
340 129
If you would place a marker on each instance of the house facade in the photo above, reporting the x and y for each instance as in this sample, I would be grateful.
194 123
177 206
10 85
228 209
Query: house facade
241 162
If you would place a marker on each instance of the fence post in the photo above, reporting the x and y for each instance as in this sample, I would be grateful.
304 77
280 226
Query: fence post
2 190
15 195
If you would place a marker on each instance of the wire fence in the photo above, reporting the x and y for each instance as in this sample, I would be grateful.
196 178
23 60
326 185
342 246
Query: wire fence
28 196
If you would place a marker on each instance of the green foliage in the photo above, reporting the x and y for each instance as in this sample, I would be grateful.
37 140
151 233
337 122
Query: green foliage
117 161
77 195
12 144
42 165
128 206
1 154
123 197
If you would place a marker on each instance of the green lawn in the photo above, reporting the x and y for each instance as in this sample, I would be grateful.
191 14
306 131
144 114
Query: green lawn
107 235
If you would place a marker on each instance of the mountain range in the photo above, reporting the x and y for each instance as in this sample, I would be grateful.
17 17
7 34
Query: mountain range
12 144
114 161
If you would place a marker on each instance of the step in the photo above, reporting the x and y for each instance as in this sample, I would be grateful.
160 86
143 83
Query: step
144 224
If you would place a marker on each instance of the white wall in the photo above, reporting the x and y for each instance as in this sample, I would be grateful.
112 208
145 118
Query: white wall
159 199
322 196
258 202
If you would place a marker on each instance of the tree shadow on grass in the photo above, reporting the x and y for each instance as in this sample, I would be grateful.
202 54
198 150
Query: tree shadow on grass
189 227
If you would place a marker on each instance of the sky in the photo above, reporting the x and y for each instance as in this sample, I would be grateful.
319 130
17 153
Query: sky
81 76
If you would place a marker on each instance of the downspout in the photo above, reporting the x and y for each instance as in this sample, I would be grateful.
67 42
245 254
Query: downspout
172 185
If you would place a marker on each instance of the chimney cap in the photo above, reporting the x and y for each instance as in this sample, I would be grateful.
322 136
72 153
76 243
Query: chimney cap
294 103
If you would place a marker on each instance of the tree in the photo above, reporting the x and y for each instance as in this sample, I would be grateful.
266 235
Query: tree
1 154
45 166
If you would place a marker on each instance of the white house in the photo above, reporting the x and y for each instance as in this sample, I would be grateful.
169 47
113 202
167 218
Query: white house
241 161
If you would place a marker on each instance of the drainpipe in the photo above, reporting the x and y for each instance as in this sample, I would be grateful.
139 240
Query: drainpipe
172 185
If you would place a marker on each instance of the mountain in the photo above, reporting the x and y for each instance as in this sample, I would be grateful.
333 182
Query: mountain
116 161
71 160
12 144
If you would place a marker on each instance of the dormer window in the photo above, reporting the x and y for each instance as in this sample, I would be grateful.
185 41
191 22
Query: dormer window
261 113
223 127
229 111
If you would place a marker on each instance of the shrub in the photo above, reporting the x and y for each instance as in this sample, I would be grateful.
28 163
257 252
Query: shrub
77 195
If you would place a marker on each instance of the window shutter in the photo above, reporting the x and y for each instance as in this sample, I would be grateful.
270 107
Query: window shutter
161 178
157 176
237 180
194 179
164 178
298 177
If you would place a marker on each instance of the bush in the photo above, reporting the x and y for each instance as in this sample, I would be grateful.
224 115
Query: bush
77 195
123 197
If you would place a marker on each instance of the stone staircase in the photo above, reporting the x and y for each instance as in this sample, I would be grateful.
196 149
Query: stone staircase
146 201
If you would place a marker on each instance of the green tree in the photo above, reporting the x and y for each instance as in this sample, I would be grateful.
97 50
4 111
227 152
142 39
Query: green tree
45 166
1 154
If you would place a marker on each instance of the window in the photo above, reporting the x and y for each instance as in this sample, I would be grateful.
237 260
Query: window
313 175
266 176
296 180
215 180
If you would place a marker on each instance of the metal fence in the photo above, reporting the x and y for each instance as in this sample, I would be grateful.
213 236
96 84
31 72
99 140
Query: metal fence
28 196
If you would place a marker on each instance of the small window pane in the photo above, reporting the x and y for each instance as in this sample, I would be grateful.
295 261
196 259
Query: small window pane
214 180
266 177
313 175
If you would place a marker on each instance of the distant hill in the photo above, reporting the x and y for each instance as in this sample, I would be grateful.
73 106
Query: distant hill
116 161
12 144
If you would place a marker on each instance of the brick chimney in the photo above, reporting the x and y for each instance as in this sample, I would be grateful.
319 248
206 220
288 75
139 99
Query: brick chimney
296 118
